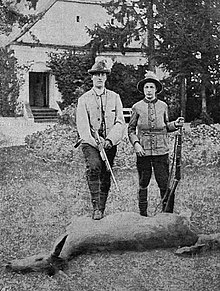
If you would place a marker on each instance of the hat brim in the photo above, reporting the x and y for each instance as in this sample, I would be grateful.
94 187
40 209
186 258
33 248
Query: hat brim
140 85
92 72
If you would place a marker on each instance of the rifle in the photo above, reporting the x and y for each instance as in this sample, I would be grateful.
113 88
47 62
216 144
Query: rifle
170 193
104 157
77 144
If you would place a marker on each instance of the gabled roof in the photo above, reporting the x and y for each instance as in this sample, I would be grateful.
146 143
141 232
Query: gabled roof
16 35
62 22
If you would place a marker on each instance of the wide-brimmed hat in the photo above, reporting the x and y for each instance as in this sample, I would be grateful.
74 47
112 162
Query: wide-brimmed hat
150 77
100 66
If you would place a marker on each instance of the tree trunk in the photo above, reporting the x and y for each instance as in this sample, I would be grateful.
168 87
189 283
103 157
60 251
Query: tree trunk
203 97
151 42
183 96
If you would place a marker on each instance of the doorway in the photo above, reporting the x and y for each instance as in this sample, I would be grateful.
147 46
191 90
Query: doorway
39 89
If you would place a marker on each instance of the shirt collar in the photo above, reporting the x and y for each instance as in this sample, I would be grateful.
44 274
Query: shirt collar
149 101
103 93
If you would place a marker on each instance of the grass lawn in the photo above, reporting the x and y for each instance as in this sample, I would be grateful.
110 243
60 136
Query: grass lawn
39 198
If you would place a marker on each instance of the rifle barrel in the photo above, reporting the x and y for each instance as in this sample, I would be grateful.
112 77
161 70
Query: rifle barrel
105 159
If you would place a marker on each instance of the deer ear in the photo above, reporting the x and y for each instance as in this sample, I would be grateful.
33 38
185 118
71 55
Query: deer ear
59 246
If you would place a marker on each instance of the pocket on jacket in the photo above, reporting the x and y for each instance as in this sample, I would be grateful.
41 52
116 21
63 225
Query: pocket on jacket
162 141
110 118
145 142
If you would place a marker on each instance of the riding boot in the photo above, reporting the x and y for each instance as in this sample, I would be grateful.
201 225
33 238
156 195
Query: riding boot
142 201
103 199
97 214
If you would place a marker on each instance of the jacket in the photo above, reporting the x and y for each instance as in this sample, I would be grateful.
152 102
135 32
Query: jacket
89 116
149 125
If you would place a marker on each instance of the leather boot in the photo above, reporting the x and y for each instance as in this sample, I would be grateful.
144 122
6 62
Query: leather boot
142 201
103 199
97 214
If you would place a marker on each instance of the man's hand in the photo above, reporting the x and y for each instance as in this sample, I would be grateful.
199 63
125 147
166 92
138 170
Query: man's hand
107 144
179 122
139 150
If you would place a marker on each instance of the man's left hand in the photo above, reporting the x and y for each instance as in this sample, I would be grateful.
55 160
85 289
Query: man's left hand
108 144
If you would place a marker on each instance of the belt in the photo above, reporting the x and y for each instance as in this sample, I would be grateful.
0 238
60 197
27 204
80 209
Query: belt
149 132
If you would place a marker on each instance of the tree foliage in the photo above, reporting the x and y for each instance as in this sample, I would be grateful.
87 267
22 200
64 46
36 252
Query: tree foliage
189 34
9 83
9 17
71 73
119 33
185 37
190 44
123 80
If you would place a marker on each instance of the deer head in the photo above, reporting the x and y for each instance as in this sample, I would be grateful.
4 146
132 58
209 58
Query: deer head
49 263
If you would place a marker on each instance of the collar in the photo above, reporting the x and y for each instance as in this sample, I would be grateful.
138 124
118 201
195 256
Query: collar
103 93
148 101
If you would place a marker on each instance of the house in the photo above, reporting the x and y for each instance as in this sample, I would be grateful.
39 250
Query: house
60 25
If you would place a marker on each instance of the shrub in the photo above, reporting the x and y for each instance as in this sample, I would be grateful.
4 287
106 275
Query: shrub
56 143
123 80
68 116
201 146
71 73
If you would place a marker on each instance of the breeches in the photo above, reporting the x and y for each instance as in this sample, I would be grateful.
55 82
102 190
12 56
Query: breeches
98 178
160 165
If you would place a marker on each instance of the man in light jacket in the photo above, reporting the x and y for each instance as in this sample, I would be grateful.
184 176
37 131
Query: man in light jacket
99 110
147 131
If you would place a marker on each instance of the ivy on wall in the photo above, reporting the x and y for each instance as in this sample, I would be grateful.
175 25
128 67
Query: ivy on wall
71 74
9 83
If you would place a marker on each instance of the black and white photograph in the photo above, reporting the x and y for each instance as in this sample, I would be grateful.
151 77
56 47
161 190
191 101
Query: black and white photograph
109 145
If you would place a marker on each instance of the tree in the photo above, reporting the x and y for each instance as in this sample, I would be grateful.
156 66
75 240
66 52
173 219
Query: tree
9 82
71 73
123 80
70 69
134 20
183 37
190 43
9 16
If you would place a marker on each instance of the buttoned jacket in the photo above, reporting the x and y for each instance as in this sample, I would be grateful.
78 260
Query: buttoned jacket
149 125
89 116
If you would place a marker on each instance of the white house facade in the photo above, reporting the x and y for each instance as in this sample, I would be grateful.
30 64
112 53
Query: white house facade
60 26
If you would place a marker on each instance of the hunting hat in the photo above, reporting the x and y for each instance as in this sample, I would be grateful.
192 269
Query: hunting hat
100 66
149 77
